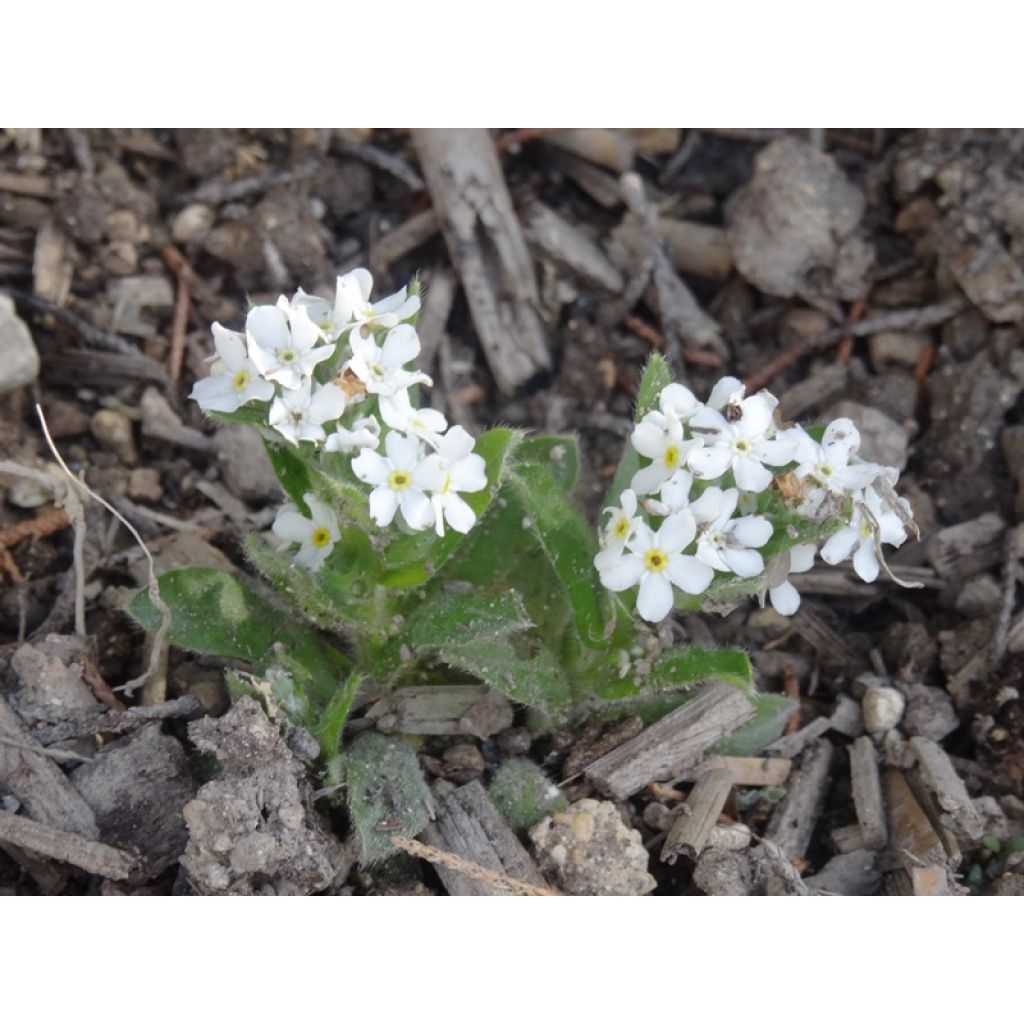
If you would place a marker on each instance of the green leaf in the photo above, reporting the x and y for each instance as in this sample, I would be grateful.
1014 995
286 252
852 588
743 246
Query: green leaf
518 667
524 794
559 453
332 719
686 666
771 713
463 617
387 794
211 612
570 546
412 559
657 376
292 473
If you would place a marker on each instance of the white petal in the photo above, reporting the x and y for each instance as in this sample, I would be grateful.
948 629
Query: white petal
751 531
230 346
778 451
801 557
785 598
291 526
689 574
404 452
654 599
401 346
371 468
709 421
723 391
622 573
416 508
649 440
857 476
750 474
328 403
383 505
469 474
305 333
840 545
459 515
743 561
649 479
757 416
216 394
840 440
865 562
709 463
267 326
676 532
456 444
708 507
430 474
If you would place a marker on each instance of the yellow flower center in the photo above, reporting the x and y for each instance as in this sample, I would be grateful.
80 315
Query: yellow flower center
621 527
240 381
446 486
866 529
287 356
399 480
321 537
655 560
672 457
741 446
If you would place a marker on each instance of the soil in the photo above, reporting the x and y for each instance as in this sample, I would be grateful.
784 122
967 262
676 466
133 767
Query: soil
876 274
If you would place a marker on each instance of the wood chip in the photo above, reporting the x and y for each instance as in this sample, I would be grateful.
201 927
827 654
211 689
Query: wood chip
867 793
469 826
793 744
570 248
792 824
940 778
487 247
673 744
911 834
745 771
964 550
692 829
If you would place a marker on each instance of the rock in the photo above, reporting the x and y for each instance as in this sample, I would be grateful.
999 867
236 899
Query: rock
797 218
245 465
121 226
724 873
848 874
883 708
588 851
51 675
144 485
65 419
901 347
120 258
882 439
19 360
113 430
463 762
929 713
249 830
137 788
977 597
192 224
736 836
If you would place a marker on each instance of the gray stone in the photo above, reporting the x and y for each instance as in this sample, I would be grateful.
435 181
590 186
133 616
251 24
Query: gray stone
19 360
588 851
113 430
245 465
724 873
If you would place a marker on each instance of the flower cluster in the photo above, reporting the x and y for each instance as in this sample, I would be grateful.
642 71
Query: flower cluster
336 378
703 504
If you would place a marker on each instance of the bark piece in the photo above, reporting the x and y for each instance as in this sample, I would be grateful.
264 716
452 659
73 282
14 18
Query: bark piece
867 793
795 743
745 771
793 822
940 778
67 847
469 826
487 247
912 835
569 247
692 829
673 744
37 782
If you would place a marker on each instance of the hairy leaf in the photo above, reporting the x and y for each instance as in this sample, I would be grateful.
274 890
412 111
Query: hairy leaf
771 713
559 453
331 721
291 471
524 794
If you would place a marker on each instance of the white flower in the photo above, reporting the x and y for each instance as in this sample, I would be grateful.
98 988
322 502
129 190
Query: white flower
656 561
680 400
353 309
728 391
316 536
392 481
828 464
784 596
398 413
299 415
452 468
621 526
740 443
659 436
379 367
870 514
725 543
365 433
283 343
235 379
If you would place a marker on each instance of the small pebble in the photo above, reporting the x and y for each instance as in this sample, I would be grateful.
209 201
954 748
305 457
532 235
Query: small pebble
463 762
19 360
883 708
192 224
736 836
113 430
144 485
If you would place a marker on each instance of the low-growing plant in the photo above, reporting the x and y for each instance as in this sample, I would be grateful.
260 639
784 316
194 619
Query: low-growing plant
409 552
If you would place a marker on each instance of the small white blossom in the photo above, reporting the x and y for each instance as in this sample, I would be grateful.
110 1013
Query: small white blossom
452 468
365 433
316 537
741 442
391 476
353 309
656 562
235 379
299 415
622 524
784 596
870 515
680 400
380 367
659 436
727 544
283 343
398 413
828 464
728 391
